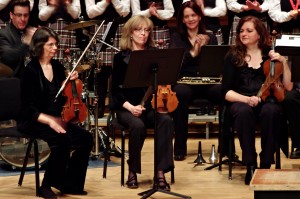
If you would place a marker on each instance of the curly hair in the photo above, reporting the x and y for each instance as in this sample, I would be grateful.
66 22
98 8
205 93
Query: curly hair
239 51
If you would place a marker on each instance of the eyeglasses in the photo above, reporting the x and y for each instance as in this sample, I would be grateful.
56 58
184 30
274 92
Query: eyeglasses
51 45
140 30
19 15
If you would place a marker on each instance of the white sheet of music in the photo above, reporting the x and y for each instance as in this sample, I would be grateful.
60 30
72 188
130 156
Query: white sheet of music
289 40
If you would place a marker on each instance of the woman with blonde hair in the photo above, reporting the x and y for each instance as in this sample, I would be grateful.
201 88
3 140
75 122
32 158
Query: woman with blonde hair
137 35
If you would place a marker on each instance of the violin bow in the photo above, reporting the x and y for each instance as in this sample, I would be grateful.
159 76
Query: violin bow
78 61
147 94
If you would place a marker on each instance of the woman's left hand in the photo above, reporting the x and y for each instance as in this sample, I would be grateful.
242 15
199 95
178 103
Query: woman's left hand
276 56
74 75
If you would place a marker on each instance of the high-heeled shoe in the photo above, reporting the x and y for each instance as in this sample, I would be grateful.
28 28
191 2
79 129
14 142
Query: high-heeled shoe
162 184
47 193
132 182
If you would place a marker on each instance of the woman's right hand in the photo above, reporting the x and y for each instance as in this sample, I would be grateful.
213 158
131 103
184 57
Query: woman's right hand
201 40
57 124
253 101
137 110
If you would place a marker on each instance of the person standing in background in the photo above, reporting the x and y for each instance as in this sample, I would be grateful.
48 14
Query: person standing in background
57 14
240 8
108 10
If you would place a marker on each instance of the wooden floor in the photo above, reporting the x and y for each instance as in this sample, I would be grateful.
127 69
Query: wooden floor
189 180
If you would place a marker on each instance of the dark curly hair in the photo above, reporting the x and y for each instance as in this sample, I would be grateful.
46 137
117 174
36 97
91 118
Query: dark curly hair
239 50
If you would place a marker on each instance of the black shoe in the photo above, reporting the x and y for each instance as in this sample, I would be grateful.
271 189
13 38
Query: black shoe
46 192
132 182
295 154
179 157
162 184
249 174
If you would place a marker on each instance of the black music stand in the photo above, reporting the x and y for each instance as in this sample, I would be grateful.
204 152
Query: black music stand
150 68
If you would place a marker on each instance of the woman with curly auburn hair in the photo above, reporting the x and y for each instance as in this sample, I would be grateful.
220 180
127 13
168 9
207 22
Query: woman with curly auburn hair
242 79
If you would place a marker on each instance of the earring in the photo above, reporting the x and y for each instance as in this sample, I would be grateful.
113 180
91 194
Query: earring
130 37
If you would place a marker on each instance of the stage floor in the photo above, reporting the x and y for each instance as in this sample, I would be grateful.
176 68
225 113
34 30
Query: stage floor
189 180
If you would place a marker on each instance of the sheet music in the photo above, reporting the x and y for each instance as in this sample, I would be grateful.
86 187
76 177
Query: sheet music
288 40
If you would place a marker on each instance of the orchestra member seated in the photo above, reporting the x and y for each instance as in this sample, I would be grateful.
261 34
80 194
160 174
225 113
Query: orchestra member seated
192 36
286 16
16 36
41 117
130 111
242 80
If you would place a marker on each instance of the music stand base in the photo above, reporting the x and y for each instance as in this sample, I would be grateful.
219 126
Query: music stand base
224 162
148 193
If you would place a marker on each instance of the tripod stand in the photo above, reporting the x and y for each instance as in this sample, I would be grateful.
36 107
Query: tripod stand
150 68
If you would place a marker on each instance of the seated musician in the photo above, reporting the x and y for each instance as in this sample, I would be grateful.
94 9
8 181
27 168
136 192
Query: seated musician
191 36
138 35
286 14
41 117
242 80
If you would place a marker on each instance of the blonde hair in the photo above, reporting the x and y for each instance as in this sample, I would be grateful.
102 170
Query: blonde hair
132 24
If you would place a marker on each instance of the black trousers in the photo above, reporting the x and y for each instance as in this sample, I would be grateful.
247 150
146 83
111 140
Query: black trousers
137 133
185 94
292 110
245 118
68 161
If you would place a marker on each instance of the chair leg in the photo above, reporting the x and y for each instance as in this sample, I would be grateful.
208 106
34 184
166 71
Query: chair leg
25 162
277 157
172 177
106 158
36 168
123 158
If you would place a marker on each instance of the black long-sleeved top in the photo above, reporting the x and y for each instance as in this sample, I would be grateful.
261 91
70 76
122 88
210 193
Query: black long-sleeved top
244 80
189 63
121 95
38 93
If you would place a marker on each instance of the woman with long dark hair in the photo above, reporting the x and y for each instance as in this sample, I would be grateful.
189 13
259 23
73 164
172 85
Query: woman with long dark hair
242 79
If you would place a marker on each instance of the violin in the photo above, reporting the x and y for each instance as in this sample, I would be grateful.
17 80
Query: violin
167 101
74 109
272 88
